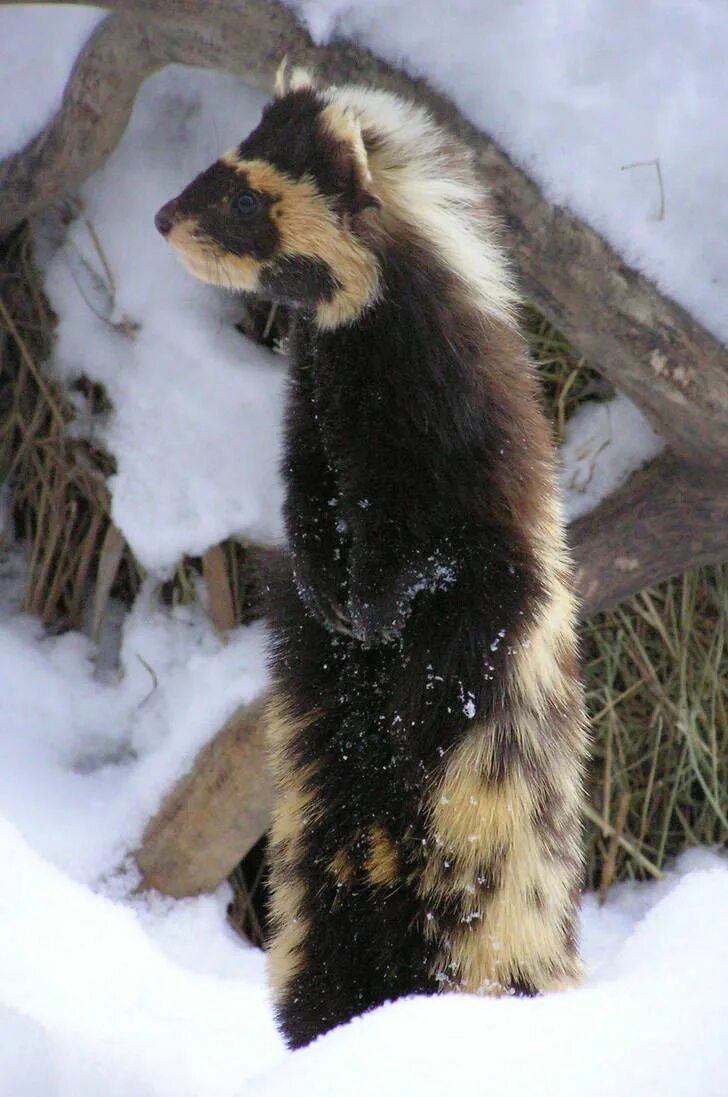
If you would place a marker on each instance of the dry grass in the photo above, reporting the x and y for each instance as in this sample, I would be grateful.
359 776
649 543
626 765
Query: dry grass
566 377
60 497
656 672
656 668
657 690
61 503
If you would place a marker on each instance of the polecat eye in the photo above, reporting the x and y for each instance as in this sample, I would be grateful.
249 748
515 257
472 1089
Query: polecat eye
246 203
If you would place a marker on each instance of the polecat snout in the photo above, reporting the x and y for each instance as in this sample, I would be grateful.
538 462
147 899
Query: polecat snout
427 736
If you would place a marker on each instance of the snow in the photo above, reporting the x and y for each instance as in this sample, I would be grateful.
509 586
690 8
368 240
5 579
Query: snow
648 1022
100 998
196 409
38 46
604 442
195 427
99 751
104 992
119 1016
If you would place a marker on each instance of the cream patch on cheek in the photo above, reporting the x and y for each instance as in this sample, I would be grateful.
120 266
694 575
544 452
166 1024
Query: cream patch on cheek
207 264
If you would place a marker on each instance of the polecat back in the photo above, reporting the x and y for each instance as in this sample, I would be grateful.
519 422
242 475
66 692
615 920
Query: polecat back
427 735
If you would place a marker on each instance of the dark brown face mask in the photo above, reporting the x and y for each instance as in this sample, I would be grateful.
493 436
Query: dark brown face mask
281 214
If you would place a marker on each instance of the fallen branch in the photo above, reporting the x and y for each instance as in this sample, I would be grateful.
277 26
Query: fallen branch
214 815
665 519
214 572
646 344
91 120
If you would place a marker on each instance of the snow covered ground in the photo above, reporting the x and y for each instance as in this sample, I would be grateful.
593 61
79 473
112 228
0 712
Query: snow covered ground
99 998
102 994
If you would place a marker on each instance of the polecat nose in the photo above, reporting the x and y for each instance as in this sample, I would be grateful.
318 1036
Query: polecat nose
164 219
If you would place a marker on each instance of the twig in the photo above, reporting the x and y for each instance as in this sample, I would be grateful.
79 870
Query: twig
610 861
607 829
656 165
28 359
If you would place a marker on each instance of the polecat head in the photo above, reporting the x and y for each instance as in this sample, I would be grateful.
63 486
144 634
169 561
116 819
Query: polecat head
281 214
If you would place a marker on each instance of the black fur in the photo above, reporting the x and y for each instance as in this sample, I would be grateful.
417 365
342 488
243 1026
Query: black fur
209 200
294 280
417 466
408 582
289 136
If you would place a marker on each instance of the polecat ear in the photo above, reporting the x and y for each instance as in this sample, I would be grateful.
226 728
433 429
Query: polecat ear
290 79
352 161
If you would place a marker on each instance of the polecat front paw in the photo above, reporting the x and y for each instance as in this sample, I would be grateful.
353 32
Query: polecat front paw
376 621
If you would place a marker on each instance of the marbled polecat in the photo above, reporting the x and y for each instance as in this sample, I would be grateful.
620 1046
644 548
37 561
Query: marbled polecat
428 734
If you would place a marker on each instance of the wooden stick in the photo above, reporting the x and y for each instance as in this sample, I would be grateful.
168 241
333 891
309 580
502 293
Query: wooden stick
213 815
666 518
214 572
610 861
